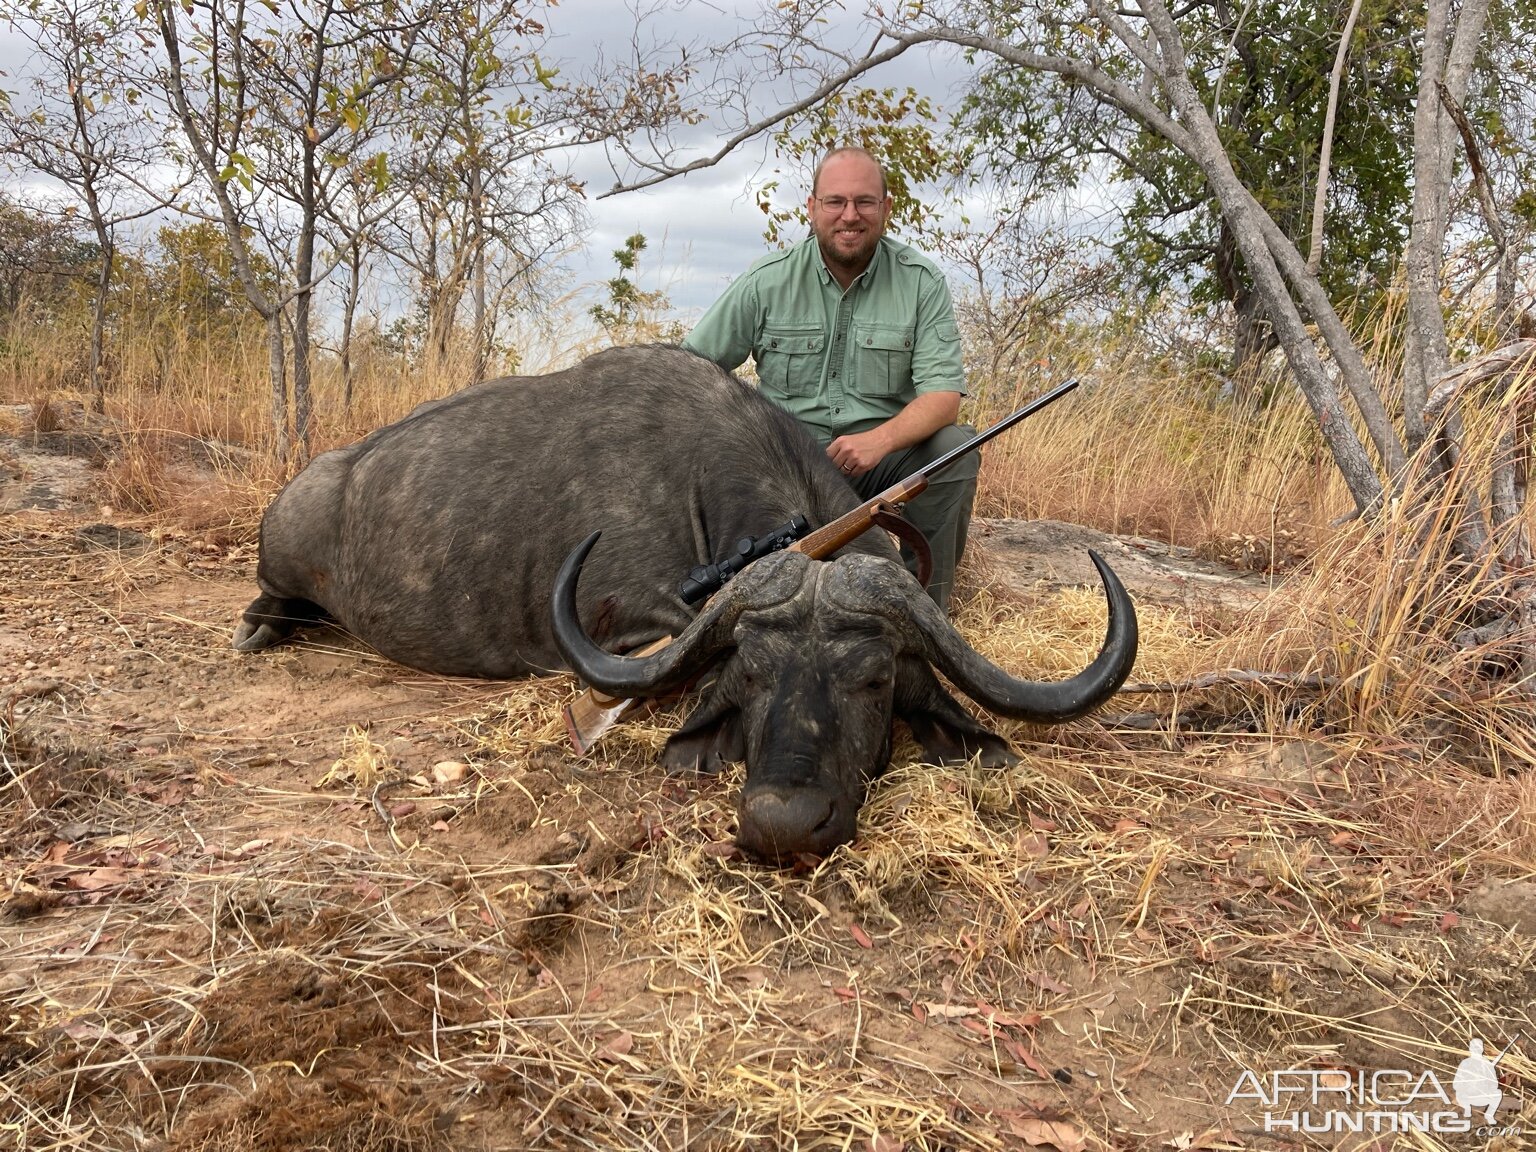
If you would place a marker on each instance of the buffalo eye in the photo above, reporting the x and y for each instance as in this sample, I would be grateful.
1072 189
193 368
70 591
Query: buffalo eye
877 683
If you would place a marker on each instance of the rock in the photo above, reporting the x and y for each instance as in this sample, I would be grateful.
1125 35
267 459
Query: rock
1024 555
449 772
1507 903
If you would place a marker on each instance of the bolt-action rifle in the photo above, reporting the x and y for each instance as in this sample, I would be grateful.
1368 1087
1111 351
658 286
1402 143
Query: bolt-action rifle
593 713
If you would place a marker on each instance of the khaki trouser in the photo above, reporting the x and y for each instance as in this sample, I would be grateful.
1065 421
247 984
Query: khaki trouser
943 512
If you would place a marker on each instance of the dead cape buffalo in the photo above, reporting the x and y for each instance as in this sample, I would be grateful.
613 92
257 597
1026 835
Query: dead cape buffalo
439 540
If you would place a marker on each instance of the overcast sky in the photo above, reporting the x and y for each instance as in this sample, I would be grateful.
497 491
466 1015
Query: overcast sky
705 228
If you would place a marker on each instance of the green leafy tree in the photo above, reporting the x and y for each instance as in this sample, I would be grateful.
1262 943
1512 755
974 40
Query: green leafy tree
1262 70
78 119
898 126
43 258
194 287
631 313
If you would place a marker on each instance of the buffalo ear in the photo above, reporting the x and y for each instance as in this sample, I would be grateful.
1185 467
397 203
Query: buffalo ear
947 732
709 739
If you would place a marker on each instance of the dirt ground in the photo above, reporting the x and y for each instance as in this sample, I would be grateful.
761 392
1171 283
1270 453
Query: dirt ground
311 899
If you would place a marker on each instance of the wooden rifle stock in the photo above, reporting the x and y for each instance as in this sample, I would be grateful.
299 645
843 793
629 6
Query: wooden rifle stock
827 539
592 713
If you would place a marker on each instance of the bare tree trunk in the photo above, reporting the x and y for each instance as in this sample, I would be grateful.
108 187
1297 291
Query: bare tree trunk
99 323
303 298
303 404
276 372
348 319
1244 217
1320 200
1253 340
1447 61
1505 320
482 333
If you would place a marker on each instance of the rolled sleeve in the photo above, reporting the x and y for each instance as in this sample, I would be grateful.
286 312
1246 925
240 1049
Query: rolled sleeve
937 364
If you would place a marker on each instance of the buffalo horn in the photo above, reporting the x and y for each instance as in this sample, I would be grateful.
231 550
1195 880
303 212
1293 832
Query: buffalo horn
931 635
628 676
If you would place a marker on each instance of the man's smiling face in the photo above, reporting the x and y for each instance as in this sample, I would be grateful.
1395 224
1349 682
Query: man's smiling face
849 228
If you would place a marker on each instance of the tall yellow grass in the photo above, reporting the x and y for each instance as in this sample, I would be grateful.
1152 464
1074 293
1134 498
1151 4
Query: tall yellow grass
1143 448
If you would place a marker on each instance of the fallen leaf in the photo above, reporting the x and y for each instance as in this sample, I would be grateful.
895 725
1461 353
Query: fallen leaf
919 1013
1027 1058
1031 846
99 878
948 1011
403 809
1127 825
1042 981
1210 1138
82 1031
723 850
1041 824
1448 921
882 1143
619 1044
440 826
820 908
1006 1020
368 890
846 993
1047 1133
860 936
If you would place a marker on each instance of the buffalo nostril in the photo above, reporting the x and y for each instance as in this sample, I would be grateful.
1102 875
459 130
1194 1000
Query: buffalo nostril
801 811
777 823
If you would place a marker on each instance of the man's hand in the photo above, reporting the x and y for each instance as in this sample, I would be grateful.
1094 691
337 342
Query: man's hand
856 454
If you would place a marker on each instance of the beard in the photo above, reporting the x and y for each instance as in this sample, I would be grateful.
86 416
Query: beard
848 254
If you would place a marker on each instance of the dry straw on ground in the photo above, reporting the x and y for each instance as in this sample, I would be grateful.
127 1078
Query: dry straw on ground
1080 951
241 911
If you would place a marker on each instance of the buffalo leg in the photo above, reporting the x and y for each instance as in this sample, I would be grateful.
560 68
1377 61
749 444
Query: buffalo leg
270 620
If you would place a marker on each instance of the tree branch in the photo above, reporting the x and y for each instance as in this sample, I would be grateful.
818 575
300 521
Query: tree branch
1320 200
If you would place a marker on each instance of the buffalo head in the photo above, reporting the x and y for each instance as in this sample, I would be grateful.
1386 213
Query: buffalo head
813 659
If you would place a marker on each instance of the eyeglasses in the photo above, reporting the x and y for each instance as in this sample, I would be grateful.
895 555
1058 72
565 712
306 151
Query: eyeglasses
863 205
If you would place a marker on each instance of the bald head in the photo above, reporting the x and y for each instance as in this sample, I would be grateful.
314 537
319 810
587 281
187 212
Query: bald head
838 154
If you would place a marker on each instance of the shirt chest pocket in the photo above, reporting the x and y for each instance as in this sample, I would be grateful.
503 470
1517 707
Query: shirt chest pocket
882 359
789 360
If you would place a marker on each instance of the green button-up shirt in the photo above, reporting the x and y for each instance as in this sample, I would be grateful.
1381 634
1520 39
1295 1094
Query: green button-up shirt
840 361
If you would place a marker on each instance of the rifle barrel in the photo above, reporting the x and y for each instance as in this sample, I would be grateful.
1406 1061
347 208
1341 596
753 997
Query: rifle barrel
1000 427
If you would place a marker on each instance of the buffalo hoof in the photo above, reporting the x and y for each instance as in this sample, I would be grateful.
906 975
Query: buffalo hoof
254 637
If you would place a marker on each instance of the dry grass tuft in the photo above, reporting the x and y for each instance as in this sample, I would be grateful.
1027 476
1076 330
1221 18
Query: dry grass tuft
45 418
